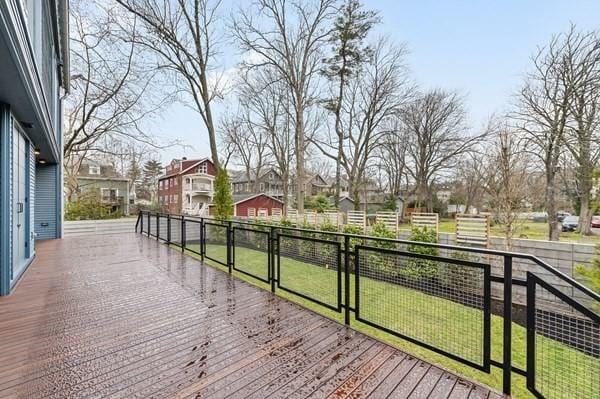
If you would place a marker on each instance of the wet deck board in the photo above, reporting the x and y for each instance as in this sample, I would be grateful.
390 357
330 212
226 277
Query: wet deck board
126 317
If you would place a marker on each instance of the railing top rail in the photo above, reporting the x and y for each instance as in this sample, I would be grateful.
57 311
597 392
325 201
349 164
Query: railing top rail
485 251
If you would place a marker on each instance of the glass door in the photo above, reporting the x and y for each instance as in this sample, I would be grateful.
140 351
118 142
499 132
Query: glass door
20 205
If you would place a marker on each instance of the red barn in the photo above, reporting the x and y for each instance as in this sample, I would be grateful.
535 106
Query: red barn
258 202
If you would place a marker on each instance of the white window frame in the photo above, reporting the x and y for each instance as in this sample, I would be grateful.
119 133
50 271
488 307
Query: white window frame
94 170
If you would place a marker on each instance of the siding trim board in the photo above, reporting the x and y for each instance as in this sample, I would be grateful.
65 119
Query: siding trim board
5 198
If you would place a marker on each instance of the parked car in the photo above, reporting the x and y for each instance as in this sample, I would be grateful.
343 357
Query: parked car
570 223
596 221
561 215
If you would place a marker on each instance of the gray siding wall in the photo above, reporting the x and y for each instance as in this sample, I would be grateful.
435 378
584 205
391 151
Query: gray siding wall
47 207
31 199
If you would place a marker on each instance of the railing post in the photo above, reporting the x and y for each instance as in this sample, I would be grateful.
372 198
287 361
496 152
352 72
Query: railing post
149 225
168 228
530 350
507 333
229 245
182 233
158 227
202 239
346 280
272 244
141 222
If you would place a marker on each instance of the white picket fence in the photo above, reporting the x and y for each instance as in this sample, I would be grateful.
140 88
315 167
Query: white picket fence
95 227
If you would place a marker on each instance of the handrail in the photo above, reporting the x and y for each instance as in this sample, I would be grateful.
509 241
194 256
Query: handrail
518 255
346 250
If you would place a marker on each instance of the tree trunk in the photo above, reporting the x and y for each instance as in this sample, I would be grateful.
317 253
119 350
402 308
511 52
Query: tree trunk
585 213
553 223
285 192
300 189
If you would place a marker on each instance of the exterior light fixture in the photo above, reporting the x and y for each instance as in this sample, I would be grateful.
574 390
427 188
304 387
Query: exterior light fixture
37 151
42 161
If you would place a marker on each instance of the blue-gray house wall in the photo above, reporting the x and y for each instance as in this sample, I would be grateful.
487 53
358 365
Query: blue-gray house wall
33 78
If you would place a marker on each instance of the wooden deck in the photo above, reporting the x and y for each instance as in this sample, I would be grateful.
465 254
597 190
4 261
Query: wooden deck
123 316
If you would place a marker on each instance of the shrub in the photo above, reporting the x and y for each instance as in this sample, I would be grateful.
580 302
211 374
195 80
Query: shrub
353 229
421 268
380 230
88 206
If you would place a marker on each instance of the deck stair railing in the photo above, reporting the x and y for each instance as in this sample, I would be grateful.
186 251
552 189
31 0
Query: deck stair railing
480 307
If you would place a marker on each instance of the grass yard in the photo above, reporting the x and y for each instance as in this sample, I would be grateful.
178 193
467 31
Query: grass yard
440 322
525 229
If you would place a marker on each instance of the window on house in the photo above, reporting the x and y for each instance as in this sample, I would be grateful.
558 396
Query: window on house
174 199
94 170
202 168
175 181
262 186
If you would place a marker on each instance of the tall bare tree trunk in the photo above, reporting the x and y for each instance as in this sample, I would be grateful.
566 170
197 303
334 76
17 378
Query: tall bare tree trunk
300 178
553 223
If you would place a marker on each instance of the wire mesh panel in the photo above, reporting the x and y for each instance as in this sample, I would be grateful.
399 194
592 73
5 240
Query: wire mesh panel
310 268
563 343
193 235
215 242
251 252
152 223
162 227
176 237
440 303
144 223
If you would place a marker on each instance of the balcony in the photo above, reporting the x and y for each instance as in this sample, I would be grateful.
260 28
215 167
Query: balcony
125 316
199 187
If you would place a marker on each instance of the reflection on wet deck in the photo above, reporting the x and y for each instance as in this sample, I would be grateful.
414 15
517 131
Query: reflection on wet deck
123 316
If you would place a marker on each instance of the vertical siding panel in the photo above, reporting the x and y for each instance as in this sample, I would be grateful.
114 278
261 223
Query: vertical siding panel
46 205
31 199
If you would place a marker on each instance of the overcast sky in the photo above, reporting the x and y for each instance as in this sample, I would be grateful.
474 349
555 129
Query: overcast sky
479 47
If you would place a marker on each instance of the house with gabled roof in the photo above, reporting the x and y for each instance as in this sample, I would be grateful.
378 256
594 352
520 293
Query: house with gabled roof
187 186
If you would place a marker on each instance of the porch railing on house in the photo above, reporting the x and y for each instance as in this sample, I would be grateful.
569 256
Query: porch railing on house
444 298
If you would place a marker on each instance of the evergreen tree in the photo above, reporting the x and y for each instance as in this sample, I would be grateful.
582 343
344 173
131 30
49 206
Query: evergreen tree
222 200
348 35
152 170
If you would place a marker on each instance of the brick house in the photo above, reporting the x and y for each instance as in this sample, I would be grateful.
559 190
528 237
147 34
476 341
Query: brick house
187 186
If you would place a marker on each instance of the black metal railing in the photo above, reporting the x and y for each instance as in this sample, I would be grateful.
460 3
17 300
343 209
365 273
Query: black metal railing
441 297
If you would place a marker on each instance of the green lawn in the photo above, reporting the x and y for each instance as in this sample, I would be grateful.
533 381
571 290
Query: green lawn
525 229
442 323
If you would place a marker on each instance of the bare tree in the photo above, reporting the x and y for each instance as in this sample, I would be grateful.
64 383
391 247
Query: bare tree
582 138
375 95
435 123
392 156
470 178
542 115
183 34
288 36
113 91
267 102
506 181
